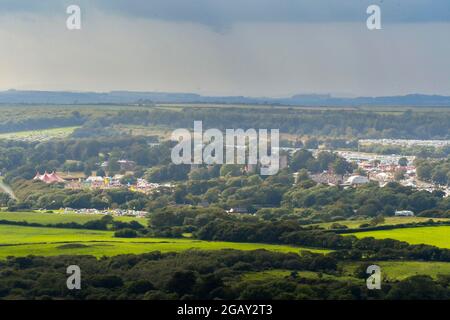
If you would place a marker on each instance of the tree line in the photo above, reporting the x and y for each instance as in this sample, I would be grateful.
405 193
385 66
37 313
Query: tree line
199 275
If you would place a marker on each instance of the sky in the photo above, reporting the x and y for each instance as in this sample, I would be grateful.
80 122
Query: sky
273 48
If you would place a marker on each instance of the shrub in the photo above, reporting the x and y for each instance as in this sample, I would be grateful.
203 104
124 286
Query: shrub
125 233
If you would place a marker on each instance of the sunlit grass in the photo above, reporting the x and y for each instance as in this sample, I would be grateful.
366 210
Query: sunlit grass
436 236
59 217
22 241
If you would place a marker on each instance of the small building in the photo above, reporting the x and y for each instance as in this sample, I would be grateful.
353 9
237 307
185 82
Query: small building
357 180
127 165
95 179
404 213
240 210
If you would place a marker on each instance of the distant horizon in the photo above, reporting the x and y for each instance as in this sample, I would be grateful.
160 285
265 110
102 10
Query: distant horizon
13 96
304 94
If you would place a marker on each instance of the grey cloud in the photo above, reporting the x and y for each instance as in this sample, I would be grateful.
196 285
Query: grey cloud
141 45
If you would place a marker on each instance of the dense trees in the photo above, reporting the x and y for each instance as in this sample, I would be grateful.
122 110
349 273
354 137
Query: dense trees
368 200
418 287
126 233
4 199
24 159
200 275
434 171
22 120
169 172
36 194
334 123
303 159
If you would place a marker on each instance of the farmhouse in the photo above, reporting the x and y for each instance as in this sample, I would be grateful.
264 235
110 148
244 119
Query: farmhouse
404 213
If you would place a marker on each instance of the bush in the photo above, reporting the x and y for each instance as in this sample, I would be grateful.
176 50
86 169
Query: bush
338 226
107 281
125 233
140 287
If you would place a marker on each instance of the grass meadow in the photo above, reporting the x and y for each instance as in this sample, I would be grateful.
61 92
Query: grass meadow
436 236
354 224
23 241
390 271
59 217
39 135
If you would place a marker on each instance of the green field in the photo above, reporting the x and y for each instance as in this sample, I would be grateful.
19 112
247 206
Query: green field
399 270
280 274
39 135
354 224
23 241
163 133
390 271
436 236
54 218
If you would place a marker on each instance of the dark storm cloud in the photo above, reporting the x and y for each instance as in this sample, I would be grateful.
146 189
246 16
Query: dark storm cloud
227 47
